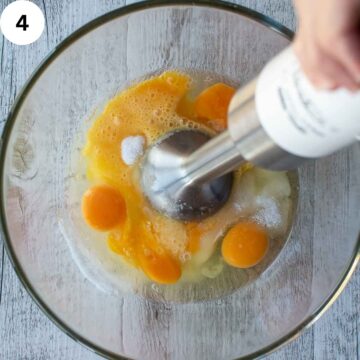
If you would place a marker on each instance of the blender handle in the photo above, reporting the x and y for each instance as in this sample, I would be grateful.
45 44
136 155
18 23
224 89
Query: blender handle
279 119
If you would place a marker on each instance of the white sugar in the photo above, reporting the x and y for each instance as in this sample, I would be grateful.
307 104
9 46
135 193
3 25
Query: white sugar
131 148
269 213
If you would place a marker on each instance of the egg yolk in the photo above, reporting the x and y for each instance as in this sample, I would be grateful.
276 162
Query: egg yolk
245 245
103 207
212 105
138 244
159 266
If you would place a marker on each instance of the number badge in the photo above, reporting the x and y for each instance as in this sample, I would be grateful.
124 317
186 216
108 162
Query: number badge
22 22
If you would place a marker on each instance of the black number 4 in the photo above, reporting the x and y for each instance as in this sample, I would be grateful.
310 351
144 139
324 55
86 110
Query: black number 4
22 23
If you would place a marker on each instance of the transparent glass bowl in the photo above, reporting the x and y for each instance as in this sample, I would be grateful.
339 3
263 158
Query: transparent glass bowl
87 69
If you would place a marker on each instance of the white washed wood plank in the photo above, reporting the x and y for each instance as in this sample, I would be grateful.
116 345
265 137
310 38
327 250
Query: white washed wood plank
25 332
336 334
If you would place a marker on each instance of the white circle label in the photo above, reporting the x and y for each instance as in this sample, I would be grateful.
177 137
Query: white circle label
22 22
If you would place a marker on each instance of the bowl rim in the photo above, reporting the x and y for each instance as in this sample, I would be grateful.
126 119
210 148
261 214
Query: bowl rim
10 121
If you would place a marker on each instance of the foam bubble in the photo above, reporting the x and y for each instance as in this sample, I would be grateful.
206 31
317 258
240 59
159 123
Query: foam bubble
116 120
184 257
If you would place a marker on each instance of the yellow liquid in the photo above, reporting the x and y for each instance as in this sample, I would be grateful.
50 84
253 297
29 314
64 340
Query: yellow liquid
150 241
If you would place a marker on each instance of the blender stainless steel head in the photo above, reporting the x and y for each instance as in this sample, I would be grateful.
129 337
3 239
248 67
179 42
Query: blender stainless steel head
181 176
187 176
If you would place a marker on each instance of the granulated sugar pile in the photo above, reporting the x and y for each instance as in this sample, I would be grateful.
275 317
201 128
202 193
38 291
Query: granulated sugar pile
131 148
269 212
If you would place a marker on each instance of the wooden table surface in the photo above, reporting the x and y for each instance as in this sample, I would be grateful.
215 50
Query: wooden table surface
25 332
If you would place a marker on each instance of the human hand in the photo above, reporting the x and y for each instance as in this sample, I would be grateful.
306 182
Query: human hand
328 42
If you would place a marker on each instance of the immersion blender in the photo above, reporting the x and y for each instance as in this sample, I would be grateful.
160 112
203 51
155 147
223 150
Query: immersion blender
277 121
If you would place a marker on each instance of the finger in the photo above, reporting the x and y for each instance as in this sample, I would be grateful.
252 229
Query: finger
323 70
309 59
334 74
349 55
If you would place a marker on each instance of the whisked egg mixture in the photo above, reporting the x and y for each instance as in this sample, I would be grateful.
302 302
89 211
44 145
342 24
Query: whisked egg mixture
241 239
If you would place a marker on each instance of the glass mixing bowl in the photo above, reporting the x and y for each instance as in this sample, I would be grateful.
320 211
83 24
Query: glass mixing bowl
90 67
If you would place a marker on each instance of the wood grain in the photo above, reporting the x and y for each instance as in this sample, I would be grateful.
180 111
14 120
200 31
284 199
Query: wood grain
25 332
